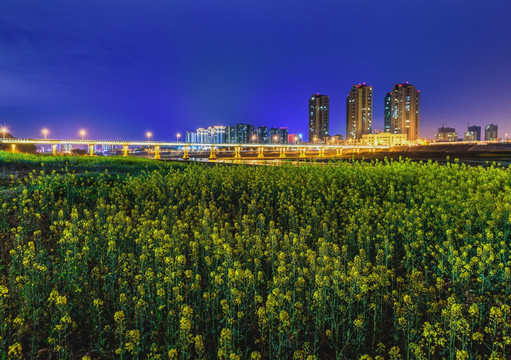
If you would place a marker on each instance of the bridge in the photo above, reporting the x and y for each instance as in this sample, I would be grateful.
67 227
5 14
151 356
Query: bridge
302 150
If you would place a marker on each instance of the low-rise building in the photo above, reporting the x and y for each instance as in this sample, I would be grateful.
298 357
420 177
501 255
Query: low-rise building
384 139
335 139
446 134
469 136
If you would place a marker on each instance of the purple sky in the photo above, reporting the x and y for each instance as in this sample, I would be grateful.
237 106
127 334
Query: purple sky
120 68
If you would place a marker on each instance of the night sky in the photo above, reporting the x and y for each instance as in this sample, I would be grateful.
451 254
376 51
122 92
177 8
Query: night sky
121 67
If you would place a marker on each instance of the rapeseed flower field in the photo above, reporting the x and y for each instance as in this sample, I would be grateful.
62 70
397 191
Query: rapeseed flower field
382 260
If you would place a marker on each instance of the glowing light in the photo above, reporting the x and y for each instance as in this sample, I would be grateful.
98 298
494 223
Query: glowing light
148 135
82 133
45 133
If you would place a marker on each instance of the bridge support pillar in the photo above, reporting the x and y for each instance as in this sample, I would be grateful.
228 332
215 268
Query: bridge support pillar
302 152
91 149
185 153
157 152
125 150
54 149
13 147
237 153
282 153
338 152
212 155
321 152
260 152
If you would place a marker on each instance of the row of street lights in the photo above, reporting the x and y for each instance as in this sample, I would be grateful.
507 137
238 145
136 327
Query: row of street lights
82 133
148 135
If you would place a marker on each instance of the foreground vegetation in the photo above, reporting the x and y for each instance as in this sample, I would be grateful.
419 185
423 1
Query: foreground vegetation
18 165
347 261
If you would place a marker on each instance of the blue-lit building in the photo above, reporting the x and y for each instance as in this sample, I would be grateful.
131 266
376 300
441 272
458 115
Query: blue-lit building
244 133
262 135
387 113
191 137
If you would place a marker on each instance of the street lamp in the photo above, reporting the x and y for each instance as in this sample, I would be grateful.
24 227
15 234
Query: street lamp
275 138
254 137
315 139
45 133
296 139
149 135
4 131
178 135
82 133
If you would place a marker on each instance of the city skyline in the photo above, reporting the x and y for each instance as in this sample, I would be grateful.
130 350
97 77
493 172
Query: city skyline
167 67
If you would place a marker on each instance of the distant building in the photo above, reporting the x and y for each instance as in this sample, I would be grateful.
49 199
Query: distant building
294 138
216 134
230 134
384 139
359 111
335 139
274 135
283 133
262 135
191 137
469 136
202 136
476 130
244 133
491 132
446 134
404 111
387 113
318 117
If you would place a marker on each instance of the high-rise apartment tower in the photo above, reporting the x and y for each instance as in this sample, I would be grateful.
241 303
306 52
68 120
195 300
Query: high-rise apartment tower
318 117
359 112
404 103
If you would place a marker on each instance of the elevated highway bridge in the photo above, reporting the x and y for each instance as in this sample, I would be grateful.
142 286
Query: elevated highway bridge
188 149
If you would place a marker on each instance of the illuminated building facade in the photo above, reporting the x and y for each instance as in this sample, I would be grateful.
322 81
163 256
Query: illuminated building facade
491 132
230 134
283 134
387 113
202 136
262 135
274 135
469 136
294 138
318 117
384 139
244 133
216 134
359 111
446 134
404 111
191 137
